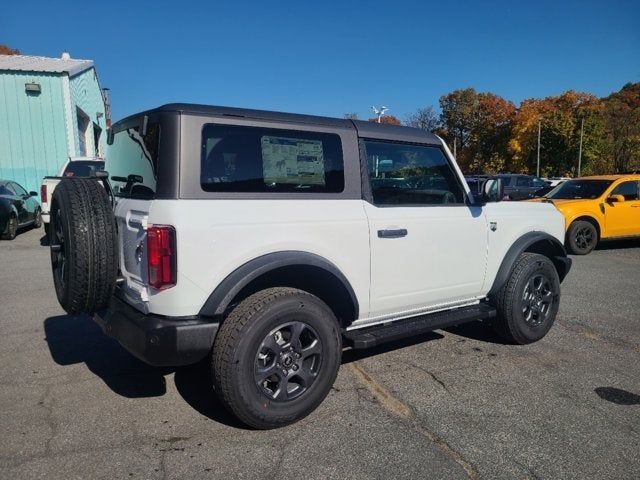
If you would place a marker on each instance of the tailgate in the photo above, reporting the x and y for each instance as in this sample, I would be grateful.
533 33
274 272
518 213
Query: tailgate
131 220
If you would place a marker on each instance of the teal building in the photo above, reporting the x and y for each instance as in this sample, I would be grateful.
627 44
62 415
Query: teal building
50 109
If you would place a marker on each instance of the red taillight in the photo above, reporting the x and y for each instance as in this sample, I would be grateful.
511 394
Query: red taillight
161 256
43 193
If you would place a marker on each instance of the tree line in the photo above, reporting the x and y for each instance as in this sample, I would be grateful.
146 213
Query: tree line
491 134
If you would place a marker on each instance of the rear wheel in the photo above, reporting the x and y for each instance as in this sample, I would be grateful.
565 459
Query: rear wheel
528 303
11 229
582 237
82 238
37 220
276 357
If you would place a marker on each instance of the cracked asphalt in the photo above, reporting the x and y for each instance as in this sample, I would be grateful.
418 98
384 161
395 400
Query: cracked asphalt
450 404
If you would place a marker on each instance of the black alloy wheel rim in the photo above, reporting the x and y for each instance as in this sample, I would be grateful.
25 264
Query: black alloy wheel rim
537 300
58 256
38 220
584 238
288 361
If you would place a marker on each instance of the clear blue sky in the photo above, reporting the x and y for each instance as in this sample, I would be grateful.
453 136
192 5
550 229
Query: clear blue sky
331 57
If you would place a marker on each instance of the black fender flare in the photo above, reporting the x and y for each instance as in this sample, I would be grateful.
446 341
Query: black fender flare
226 291
537 242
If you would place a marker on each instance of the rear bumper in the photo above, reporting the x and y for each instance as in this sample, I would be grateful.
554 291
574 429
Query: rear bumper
45 217
158 341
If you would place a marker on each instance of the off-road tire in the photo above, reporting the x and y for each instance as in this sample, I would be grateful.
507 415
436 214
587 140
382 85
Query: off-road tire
83 230
511 322
238 343
11 230
582 237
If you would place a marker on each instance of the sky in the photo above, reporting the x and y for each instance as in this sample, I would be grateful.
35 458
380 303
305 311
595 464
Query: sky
333 57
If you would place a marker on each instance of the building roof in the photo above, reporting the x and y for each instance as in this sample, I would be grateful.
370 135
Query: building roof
28 63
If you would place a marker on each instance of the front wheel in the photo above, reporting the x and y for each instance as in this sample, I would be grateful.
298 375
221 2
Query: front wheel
276 357
528 303
582 237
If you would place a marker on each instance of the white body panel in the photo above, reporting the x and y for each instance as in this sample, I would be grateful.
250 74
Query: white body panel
449 257
215 237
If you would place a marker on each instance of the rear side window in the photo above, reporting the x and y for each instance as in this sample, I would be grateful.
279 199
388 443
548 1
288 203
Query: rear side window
132 161
81 168
255 159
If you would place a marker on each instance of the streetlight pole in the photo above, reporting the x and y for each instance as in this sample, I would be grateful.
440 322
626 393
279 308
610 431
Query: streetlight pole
580 150
379 112
538 167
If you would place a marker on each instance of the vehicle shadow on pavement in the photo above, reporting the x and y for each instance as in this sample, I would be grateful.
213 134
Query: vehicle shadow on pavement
74 339
478 330
195 385
350 355
619 244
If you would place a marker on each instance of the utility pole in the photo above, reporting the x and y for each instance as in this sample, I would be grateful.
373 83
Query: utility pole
580 150
538 168
379 112
455 148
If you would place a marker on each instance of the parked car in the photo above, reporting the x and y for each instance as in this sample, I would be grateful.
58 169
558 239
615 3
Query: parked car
520 187
266 241
598 208
74 167
17 209
475 182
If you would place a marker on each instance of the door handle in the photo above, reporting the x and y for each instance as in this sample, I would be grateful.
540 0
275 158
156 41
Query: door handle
397 233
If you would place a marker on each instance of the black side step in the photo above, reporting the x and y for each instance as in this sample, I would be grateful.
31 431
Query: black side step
372 336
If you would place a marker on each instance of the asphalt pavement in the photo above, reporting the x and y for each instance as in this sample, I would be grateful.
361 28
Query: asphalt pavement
450 404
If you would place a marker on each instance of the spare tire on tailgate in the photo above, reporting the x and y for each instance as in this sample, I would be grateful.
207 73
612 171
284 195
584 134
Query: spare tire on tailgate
83 241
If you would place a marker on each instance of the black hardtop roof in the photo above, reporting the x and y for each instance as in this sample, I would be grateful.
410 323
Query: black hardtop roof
365 129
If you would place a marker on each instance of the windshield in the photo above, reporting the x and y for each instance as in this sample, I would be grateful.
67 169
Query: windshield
576 189
83 168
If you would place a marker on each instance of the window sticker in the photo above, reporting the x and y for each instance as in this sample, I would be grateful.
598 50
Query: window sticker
292 161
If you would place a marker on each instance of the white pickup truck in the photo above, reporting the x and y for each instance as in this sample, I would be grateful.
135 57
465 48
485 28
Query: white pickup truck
74 167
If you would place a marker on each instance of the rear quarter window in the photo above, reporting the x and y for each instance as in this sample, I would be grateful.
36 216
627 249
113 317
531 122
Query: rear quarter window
132 161
256 159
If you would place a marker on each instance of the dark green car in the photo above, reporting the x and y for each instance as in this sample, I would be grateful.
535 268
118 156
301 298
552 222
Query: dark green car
17 209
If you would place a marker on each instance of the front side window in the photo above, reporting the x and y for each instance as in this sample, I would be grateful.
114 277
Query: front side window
406 174
627 189
18 189
523 182
132 161
255 159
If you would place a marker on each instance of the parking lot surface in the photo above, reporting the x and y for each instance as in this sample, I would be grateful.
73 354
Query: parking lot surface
451 404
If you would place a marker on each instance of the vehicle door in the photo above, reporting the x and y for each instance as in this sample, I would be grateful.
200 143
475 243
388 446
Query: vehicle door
132 155
623 218
21 203
428 246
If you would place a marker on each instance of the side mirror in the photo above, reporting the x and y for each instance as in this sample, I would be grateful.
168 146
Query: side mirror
615 198
492 190
33 194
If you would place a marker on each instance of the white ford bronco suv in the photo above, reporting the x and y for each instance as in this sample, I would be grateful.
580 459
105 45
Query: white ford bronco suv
265 242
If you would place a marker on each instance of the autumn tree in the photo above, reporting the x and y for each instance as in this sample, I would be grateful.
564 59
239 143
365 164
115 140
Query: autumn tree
5 50
621 117
351 116
388 119
424 118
